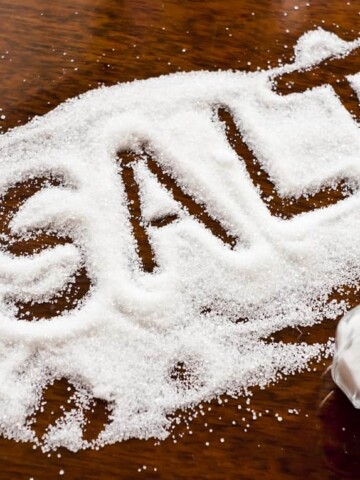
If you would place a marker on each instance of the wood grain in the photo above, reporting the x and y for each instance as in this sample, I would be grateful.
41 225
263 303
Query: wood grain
50 51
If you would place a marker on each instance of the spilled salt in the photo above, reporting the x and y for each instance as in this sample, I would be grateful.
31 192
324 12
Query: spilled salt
196 325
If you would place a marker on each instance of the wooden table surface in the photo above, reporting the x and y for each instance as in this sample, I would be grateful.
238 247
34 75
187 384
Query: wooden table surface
50 51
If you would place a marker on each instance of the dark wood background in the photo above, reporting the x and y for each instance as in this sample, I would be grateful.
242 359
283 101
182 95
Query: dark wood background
50 51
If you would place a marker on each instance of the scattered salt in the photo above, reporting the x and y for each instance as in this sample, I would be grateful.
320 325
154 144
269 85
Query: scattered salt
125 341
